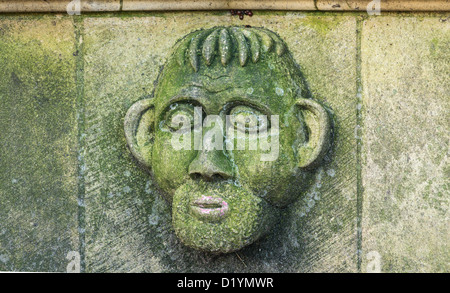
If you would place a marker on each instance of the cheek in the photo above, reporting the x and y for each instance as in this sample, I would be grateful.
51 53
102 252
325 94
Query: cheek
277 182
262 174
170 166
271 180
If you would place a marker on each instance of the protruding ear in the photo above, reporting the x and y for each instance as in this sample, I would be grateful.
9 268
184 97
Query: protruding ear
311 153
139 130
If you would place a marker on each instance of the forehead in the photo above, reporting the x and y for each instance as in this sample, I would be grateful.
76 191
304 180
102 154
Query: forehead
266 84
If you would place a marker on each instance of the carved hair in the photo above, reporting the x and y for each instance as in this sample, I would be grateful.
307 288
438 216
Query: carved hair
226 43
248 44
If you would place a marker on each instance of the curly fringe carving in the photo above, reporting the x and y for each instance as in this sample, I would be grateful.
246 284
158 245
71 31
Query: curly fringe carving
228 42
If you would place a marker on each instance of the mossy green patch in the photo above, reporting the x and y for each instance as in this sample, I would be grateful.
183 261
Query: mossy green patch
322 25
38 134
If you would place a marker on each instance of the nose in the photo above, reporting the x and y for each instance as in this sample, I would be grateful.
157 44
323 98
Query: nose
210 165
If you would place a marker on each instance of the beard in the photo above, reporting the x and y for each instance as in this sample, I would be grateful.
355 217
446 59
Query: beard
220 217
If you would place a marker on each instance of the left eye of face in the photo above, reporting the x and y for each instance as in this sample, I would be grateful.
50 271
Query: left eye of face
248 119
180 117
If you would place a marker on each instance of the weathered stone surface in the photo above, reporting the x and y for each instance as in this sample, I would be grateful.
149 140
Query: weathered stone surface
324 223
38 143
405 70
58 103
128 224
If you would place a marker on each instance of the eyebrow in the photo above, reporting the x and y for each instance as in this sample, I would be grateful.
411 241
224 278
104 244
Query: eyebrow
192 93
185 95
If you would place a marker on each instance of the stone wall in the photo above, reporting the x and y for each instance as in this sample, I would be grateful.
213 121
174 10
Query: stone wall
68 182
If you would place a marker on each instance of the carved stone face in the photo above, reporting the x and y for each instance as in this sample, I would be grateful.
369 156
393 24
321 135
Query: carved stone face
226 198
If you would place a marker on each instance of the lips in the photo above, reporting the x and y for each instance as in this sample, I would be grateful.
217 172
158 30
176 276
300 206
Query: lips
210 208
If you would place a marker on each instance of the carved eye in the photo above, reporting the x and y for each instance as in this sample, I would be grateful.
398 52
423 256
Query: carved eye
248 119
180 117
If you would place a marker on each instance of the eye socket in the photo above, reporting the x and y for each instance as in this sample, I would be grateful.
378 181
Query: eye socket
179 117
248 119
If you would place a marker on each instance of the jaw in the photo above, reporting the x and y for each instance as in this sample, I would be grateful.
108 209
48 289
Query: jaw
219 218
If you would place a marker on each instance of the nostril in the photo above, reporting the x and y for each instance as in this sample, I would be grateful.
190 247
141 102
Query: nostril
224 175
195 176
210 166
208 177
217 177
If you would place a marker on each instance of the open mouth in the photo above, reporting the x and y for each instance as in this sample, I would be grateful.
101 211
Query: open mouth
209 208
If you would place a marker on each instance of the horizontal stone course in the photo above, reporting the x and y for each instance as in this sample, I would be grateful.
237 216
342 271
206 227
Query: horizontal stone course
77 6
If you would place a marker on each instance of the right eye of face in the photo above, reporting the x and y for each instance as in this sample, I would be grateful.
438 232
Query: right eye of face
248 119
179 117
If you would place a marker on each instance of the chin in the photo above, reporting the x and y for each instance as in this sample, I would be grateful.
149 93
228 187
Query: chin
220 218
